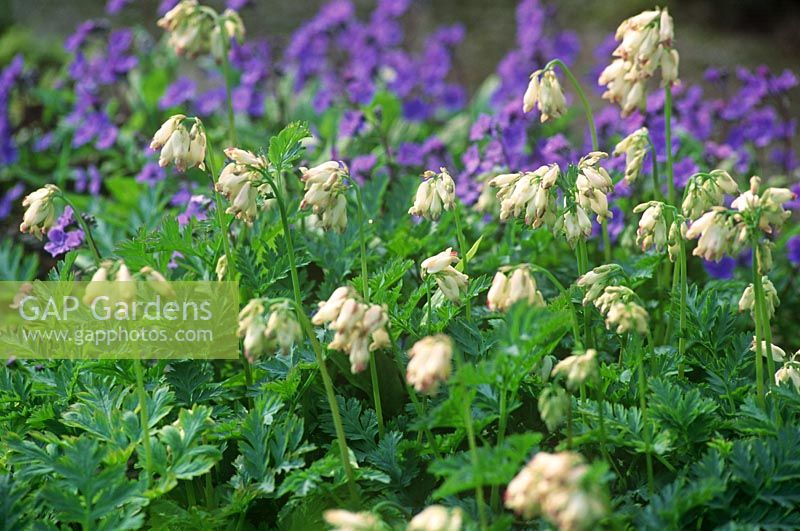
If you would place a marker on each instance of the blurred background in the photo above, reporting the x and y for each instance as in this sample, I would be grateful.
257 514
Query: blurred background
719 33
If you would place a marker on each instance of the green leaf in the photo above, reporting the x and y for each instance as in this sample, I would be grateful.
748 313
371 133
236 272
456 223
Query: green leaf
495 465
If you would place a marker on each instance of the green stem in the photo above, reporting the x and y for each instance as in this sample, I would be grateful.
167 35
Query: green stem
668 143
583 268
582 96
326 378
144 419
757 318
643 406
657 195
429 304
228 90
601 417
473 450
606 241
462 246
86 229
373 370
501 433
569 423
766 329
574 317
682 319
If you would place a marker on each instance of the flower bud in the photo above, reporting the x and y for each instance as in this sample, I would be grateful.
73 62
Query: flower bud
40 213
578 368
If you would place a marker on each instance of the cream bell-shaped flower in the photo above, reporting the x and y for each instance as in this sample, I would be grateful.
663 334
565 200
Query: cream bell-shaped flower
789 374
195 29
342 520
593 184
452 283
621 311
325 186
715 235
437 518
555 486
531 194
652 231
359 328
747 302
178 146
706 191
645 46
282 329
430 363
578 368
544 91
40 211
777 353
513 284
437 192
596 280
634 146
237 182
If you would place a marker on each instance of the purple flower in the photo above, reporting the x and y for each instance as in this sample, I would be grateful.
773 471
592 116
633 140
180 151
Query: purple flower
173 261
178 93
722 270
115 6
59 239
236 5
351 123
362 166
196 208
150 174
9 198
793 250
682 170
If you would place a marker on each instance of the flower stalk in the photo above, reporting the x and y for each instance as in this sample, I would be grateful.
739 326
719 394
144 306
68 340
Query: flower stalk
85 226
326 378
373 369
144 419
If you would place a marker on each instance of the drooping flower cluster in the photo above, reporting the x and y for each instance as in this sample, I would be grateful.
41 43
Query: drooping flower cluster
595 281
622 311
645 45
557 487
185 149
113 282
790 372
452 283
707 190
238 183
652 231
593 184
278 330
342 520
436 192
578 368
359 328
531 193
41 212
723 231
545 91
506 290
747 302
635 148
429 363
437 518
325 186
195 29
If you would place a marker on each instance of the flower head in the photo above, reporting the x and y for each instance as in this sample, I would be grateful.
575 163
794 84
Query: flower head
593 184
40 213
508 289
529 193
635 148
341 520
437 518
429 363
578 368
325 186
194 29
545 91
185 149
452 283
652 231
436 192
237 182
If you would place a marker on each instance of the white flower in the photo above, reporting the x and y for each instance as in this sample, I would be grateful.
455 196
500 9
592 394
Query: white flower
706 191
652 231
506 291
438 262
451 282
436 192
578 368
341 520
40 213
325 186
545 90
635 148
178 146
716 235
748 300
429 363
282 329
622 313
193 29
593 183
789 373
222 267
437 518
